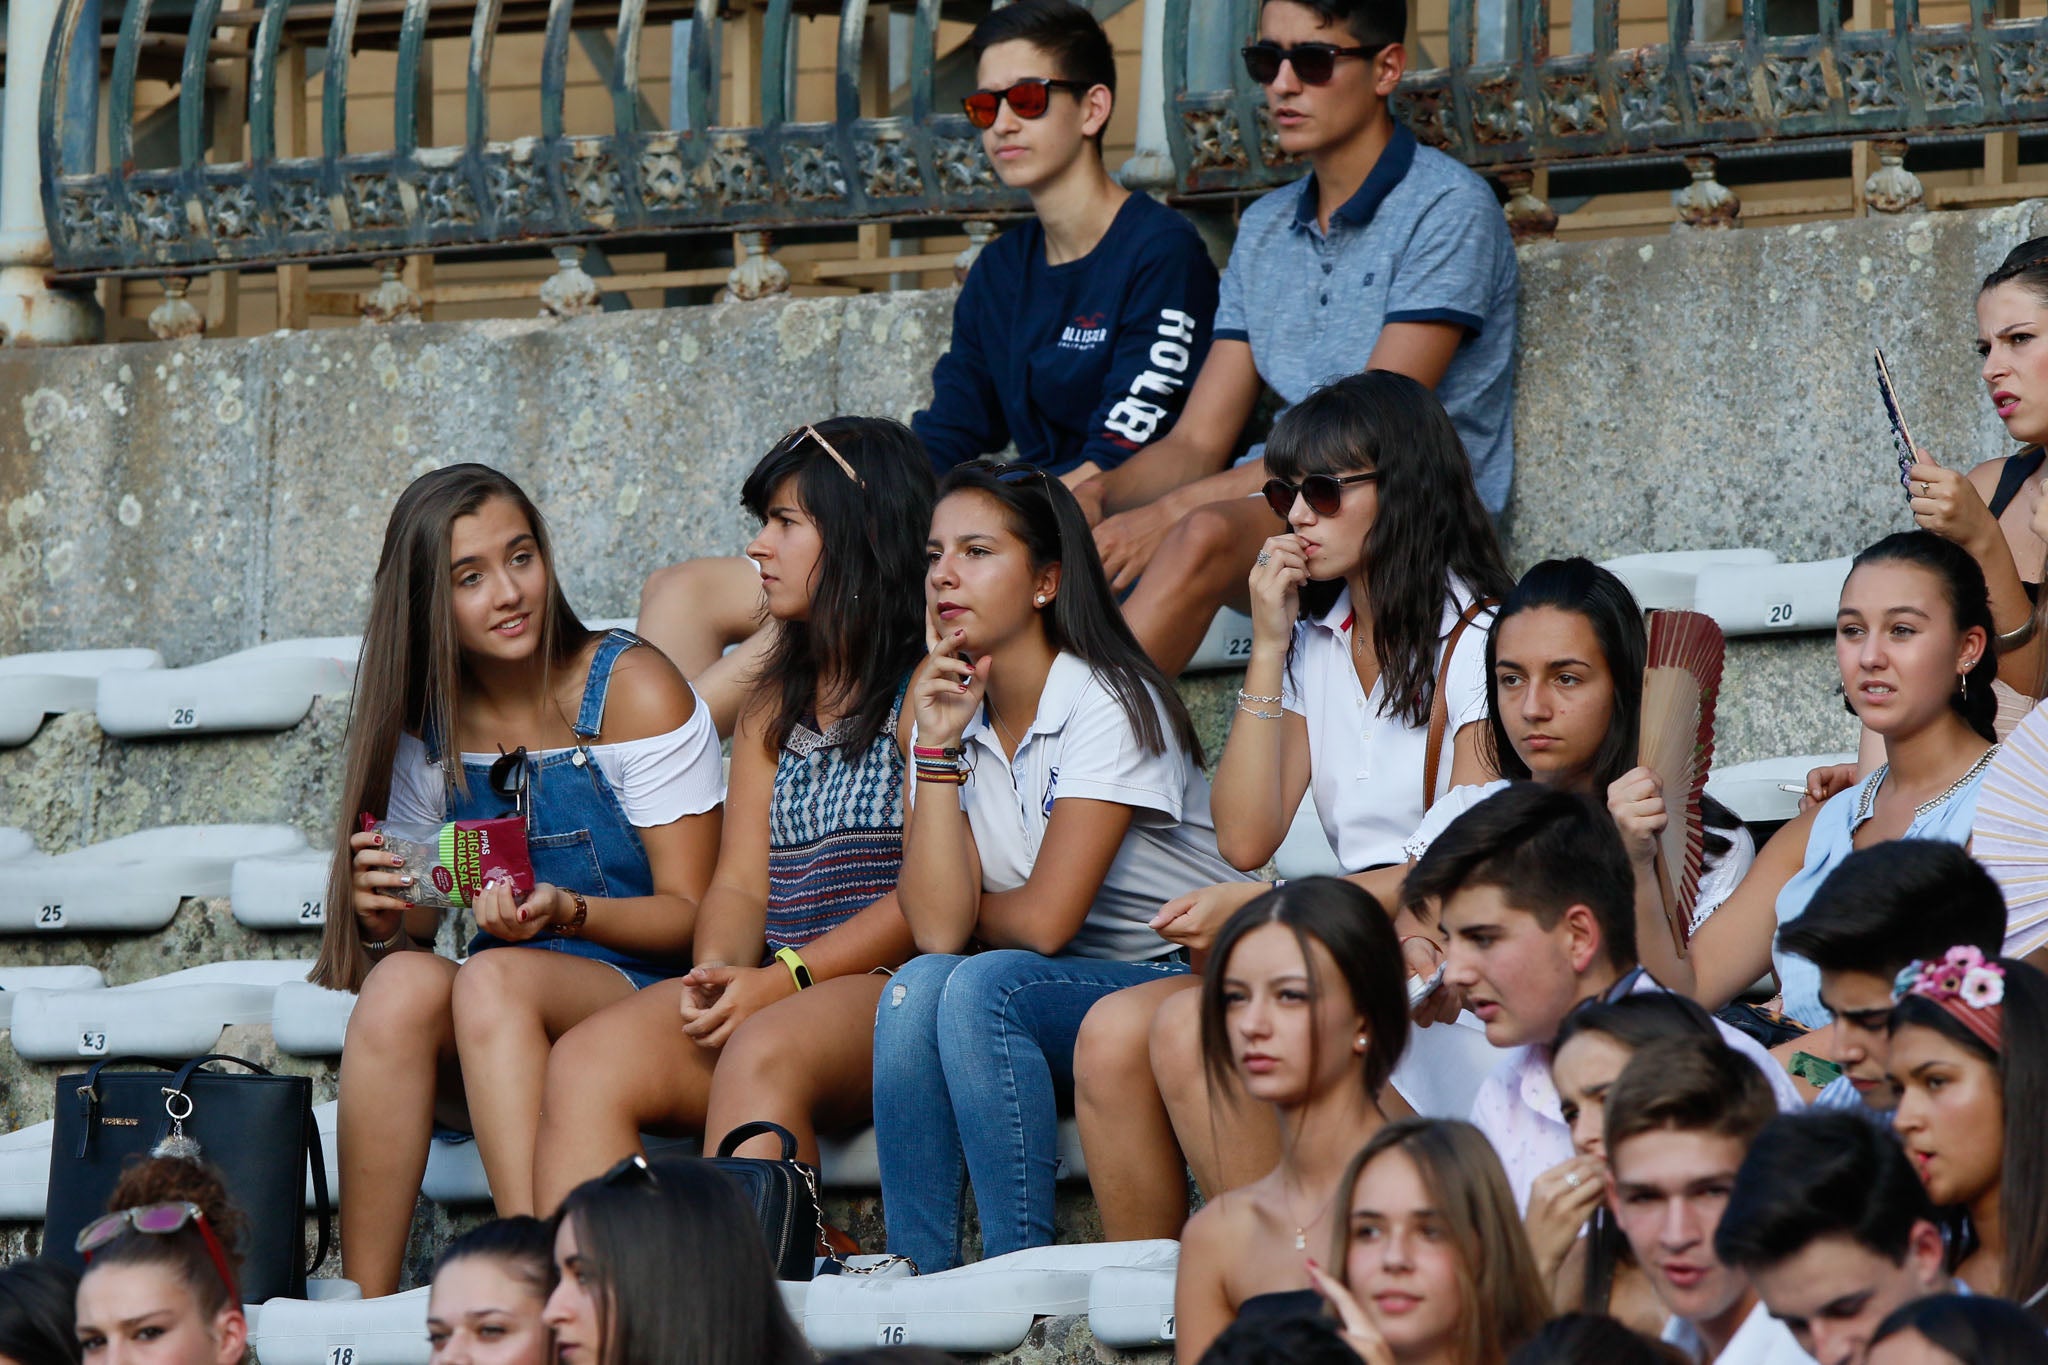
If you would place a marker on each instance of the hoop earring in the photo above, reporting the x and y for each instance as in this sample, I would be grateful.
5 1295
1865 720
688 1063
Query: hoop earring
1963 684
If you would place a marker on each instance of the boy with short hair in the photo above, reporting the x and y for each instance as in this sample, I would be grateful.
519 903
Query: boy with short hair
1536 900
1884 907
1075 338
1387 255
1680 1119
1834 1229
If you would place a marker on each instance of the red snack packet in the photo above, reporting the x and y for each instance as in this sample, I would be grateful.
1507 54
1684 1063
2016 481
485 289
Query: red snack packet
451 863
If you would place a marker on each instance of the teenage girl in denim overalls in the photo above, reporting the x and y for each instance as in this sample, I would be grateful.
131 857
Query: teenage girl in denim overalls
470 637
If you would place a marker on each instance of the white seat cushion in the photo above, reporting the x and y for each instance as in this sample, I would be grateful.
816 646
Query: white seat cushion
25 1172
1306 851
1668 580
14 980
132 883
309 1020
1770 598
988 1306
326 1118
386 1331
170 1017
270 687
15 843
1751 789
850 1163
1132 1305
281 891
1227 645
33 686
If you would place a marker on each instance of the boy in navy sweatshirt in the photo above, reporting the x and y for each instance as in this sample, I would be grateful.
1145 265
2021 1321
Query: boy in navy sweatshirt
1076 337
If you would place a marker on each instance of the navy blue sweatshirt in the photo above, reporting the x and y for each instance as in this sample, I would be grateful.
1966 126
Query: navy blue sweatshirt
1090 360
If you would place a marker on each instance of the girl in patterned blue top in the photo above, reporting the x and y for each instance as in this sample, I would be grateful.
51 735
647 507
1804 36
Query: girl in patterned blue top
776 1017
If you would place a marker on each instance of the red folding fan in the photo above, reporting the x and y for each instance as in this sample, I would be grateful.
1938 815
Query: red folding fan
1680 684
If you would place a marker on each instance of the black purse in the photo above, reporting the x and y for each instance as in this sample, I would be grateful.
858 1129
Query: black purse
256 1130
783 1194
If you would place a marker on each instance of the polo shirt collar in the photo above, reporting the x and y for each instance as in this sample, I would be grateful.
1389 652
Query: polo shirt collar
1064 685
1338 619
1357 211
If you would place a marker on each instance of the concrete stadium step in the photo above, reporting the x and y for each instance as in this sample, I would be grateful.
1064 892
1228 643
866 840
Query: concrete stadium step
169 1018
15 980
987 1306
1669 580
52 683
270 687
281 891
132 883
1752 790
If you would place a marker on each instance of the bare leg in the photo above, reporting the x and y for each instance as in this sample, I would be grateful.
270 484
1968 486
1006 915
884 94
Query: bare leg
1134 1162
806 1062
693 611
625 1069
1230 1139
399 1053
1200 566
511 1004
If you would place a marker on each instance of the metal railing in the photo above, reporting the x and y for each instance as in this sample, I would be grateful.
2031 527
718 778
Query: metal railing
409 199
1676 97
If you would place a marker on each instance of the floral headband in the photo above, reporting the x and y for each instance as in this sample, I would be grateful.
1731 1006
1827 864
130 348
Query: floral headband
1962 982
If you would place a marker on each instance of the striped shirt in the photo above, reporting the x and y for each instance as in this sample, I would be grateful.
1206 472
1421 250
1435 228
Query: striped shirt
835 831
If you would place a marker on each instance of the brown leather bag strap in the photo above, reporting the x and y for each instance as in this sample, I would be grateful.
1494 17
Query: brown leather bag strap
1440 709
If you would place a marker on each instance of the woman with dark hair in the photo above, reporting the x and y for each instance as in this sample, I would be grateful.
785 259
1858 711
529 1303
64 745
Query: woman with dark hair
1593 1339
1596 1273
1302 1009
1969 1063
1913 644
481 695
775 1016
489 1289
1077 807
161 1270
662 1263
1429 1263
38 1305
1954 1329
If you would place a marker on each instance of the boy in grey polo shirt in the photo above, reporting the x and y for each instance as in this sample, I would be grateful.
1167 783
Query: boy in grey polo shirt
1388 255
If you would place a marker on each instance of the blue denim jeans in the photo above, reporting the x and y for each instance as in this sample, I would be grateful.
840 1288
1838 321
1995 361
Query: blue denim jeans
974 1057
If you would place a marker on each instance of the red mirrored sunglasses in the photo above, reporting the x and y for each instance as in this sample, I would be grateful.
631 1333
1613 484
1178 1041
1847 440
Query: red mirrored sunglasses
1028 98
158 1220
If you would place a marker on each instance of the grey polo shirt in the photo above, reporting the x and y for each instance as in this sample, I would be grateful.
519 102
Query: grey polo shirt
1423 240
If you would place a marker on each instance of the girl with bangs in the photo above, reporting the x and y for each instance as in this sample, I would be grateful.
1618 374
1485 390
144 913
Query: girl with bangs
480 694
800 924
1367 685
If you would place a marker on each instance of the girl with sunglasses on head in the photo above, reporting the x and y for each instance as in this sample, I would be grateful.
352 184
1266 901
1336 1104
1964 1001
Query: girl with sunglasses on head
161 1268
1059 802
662 1263
481 694
1301 1011
489 1288
1367 686
1969 1064
774 1021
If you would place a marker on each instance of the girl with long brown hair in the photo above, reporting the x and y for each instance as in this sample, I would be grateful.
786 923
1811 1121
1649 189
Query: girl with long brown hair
481 694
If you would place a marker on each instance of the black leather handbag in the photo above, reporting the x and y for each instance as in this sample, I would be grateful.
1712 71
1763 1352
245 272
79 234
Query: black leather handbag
783 1194
256 1129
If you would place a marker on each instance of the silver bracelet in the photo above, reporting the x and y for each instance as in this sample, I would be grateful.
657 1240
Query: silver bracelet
2008 642
1262 715
1244 696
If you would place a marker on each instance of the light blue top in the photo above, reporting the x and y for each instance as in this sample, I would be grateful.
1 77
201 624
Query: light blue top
1947 817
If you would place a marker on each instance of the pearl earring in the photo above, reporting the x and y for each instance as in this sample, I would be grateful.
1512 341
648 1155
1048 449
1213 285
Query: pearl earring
1361 1043
1040 599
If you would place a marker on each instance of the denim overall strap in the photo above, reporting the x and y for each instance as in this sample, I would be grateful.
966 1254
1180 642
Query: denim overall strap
590 718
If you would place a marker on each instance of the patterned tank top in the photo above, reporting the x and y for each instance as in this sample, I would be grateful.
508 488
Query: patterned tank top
835 830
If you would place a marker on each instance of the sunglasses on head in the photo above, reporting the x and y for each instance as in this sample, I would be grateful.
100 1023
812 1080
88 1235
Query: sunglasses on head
1324 493
809 432
1028 98
1313 63
158 1220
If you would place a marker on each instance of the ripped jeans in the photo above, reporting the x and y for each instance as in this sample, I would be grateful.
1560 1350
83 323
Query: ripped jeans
974 1060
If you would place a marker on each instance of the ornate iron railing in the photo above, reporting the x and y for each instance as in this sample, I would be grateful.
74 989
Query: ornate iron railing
1669 98
557 186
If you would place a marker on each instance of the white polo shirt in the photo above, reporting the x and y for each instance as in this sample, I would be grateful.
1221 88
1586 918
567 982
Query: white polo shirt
1081 745
1761 1340
1365 766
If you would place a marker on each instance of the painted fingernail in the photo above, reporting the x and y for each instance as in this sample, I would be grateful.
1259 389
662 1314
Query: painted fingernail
380 841
406 880
398 860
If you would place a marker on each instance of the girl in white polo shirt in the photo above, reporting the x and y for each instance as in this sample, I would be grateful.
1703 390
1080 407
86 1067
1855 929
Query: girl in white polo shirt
1366 683
1059 803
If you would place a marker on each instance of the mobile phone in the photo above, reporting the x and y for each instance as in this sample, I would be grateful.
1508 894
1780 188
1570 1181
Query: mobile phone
1420 988
1902 440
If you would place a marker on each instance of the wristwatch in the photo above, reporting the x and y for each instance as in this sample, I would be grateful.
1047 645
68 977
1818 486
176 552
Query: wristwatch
575 924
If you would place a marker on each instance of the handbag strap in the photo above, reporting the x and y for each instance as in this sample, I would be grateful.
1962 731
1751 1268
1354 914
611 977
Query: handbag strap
758 1128
1439 707
88 1096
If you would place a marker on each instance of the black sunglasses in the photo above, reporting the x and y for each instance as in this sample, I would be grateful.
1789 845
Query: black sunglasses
1324 493
1313 63
508 778
1028 98
634 1167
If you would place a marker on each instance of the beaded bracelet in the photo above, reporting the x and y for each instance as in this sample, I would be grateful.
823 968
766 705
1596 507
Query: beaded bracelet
1243 695
1262 715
